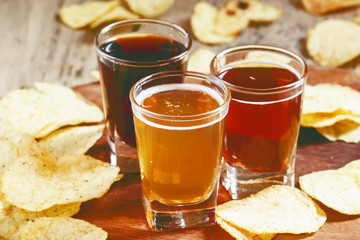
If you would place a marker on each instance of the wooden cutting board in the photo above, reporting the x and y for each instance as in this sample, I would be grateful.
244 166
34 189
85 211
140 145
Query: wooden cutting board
120 211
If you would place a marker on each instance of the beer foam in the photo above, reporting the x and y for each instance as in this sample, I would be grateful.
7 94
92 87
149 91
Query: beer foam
178 86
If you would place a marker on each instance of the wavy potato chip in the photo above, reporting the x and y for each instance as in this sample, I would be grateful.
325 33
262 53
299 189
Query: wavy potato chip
153 8
346 130
13 218
230 20
8 154
37 180
199 60
277 209
47 107
329 98
80 15
203 24
258 11
325 6
61 228
72 140
116 14
242 234
337 189
327 48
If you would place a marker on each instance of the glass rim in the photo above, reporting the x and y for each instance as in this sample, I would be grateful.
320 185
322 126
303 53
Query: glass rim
187 118
257 91
139 63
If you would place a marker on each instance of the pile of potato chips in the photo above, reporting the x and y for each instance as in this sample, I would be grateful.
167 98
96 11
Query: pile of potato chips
45 176
284 209
334 111
93 14
212 25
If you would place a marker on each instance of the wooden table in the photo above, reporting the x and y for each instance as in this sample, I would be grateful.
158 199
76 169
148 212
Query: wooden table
121 214
36 46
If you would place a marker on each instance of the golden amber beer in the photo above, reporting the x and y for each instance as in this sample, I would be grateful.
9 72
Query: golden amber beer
179 123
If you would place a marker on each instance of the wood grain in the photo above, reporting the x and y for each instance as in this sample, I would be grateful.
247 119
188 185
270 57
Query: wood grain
36 46
121 214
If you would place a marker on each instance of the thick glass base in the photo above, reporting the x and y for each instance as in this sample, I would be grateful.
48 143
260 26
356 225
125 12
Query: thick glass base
240 183
123 155
165 217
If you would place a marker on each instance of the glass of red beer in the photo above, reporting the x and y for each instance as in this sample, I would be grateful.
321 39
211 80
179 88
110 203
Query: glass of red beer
127 51
179 119
263 122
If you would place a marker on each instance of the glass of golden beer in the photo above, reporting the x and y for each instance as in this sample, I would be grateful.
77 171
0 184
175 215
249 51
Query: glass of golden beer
179 119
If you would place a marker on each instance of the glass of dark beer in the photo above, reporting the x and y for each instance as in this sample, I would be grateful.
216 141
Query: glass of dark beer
262 127
127 51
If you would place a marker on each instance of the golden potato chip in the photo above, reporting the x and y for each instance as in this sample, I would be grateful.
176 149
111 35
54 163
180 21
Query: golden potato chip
116 14
72 140
325 6
242 234
327 48
203 24
346 130
199 60
260 12
329 97
153 8
61 228
319 120
37 180
80 15
336 189
13 218
8 154
230 20
277 209
46 108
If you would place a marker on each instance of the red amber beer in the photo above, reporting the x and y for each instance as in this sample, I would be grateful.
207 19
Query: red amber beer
263 122
179 121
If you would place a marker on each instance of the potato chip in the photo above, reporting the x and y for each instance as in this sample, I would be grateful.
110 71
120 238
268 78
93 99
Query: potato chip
325 6
13 218
80 15
277 209
203 24
334 188
37 180
61 228
230 20
242 234
153 8
329 98
319 120
116 14
327 48
46 108
199 60
347 131
258 11
8 154
72 140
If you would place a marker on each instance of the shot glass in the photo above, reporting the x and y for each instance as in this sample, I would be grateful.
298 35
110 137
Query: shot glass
263 122
179 119
127 51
